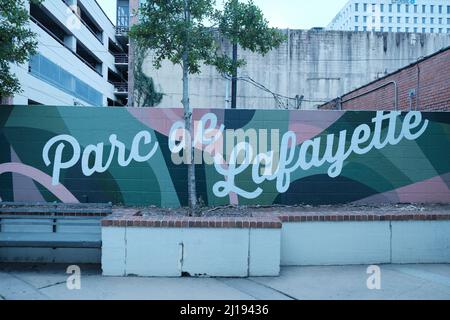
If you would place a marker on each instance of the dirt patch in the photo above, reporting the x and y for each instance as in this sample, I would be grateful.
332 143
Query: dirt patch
252 211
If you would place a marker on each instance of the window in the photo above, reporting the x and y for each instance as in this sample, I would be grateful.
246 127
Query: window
407 8
424 8
381 7
448 9
382 29
373 19
399 19
364 28
431 8
407 20
448 30
415 29
399 8
365 19
373 28
390 7
440 9
123 17
432 30
415 8
356 7
440 30
390 19
365 7
407 29
373 7
424 30
382 19
448 20
390 29
399 29
415 20
432 20
424 20
356 18
356 28
440 20
45 69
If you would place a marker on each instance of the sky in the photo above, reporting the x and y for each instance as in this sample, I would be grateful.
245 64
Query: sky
293 14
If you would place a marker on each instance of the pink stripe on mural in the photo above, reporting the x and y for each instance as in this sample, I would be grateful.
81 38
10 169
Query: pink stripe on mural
44 179
434 190
311 124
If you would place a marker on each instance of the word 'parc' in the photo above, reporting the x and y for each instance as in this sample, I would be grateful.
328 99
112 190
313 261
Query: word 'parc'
265 166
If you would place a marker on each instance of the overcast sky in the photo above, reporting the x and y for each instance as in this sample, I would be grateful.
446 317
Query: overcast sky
293 14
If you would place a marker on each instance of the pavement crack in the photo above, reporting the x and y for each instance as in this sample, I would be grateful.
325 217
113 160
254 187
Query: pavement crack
271 288
51 285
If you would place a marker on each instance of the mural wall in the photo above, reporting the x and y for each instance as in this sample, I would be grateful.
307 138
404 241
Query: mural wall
137 156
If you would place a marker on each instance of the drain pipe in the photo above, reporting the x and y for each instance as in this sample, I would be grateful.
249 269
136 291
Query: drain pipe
418 85
394 83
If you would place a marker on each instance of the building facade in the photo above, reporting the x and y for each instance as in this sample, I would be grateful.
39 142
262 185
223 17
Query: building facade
422 86
82 57
309 69
418 16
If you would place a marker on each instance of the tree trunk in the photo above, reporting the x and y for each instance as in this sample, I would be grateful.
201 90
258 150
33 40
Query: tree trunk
192 193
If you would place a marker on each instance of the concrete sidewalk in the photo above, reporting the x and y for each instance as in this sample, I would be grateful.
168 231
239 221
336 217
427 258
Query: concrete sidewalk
334 282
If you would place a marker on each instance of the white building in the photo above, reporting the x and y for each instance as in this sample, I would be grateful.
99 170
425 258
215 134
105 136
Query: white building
82 58
419 16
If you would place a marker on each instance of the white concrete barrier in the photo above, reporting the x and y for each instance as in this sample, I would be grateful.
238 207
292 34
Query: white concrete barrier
238 250
335 243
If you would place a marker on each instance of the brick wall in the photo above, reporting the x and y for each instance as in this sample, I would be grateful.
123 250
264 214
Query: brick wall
429 77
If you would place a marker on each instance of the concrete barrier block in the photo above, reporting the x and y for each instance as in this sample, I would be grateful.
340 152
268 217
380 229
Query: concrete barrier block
113 251
264 252
215 252
153 252
335 243
420 241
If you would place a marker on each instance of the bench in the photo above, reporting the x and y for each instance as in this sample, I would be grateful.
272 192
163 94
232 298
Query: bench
51 232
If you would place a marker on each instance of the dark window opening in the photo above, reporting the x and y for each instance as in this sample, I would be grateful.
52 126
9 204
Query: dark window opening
43 18
90 23
89 58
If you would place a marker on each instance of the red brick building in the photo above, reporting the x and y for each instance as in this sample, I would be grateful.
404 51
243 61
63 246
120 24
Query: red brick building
423 85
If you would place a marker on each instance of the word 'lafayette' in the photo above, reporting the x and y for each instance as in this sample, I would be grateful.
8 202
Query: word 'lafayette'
265 166
363 140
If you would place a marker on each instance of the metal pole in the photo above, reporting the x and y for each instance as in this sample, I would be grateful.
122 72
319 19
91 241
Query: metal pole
234 78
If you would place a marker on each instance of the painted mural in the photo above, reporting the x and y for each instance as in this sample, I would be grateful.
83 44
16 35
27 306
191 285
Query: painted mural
139 156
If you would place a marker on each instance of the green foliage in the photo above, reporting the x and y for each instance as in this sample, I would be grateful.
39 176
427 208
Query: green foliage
164 30
17 42
145 92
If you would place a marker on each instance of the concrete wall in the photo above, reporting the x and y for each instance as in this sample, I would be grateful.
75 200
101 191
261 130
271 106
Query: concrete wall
316 64
373 242
168 252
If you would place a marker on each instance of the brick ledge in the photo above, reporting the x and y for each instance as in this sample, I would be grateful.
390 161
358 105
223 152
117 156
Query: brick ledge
362 216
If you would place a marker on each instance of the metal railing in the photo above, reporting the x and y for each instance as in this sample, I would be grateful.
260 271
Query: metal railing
120 87
121 58
61 42
122 30
97 36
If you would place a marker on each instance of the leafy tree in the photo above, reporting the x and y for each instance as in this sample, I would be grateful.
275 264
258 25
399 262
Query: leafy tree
145 92
17 42
187 33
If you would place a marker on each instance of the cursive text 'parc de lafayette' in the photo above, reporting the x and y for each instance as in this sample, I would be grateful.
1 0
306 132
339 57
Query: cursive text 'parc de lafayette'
276 165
